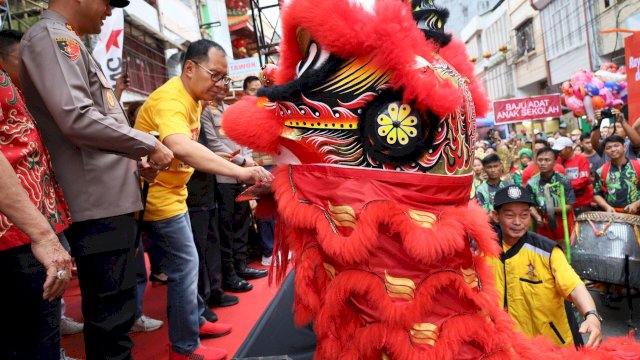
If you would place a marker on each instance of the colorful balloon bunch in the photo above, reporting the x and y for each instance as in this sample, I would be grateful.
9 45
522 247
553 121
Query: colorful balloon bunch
587 91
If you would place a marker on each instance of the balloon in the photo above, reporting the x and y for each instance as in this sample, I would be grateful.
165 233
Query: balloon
609 66
567 88
574 103
581 77
591 89
588 108
623 85
617 103
607 95
598 102
615 88
622 70
579 91
597 82
609 76
623 95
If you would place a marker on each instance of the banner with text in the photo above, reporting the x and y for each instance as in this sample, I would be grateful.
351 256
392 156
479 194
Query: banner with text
632 55
108 50
241 68
530 108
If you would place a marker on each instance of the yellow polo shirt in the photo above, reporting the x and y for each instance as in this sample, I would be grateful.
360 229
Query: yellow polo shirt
170 110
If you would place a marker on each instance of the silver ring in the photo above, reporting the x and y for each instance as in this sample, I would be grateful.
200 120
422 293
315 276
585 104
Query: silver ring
61 274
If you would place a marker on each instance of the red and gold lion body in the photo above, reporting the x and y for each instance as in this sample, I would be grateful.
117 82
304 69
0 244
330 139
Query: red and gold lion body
373 127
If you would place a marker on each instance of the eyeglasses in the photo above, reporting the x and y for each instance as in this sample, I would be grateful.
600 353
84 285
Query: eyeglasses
215 77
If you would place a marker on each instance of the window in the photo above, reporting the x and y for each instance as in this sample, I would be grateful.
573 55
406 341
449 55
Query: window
560 35
607 3
524 38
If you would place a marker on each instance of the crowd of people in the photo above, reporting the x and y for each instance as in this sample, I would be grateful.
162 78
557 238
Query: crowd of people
552 180
67 141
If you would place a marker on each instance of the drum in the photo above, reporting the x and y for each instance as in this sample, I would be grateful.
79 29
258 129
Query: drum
602 242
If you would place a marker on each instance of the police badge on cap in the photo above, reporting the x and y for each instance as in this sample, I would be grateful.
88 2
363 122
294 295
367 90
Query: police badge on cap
511 194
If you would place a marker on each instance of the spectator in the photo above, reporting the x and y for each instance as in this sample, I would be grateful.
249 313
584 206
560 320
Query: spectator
31 255
562 128
549 180
174 111
539 278
578 172
595 161
524 155
617 183
94 153
532 168
250 85
621 128
234 216
485 192
478 176
576 137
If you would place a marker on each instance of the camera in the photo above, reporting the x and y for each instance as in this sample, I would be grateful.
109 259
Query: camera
606 113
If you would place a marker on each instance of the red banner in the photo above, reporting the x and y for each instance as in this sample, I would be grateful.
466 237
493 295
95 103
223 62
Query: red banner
632 56
530 108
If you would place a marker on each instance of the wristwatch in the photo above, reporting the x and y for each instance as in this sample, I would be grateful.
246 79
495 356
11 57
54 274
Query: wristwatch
595 313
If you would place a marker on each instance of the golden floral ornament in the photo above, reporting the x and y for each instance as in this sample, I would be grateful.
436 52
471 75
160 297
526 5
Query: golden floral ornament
473 59
503 48
399 125
486 54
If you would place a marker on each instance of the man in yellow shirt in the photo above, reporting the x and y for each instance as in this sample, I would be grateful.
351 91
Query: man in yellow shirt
533 277
174 110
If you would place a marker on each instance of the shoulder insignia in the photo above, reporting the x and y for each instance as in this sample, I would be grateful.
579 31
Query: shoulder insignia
69 47
70 28
110 99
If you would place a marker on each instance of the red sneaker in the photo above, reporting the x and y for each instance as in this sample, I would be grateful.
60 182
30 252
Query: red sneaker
201 353
213 330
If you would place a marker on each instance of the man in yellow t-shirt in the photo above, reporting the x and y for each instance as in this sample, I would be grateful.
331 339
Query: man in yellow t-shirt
533 277
174 110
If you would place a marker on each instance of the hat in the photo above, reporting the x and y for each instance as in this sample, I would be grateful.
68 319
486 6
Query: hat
563 126
512 194
536 131
118 3
576 132
561 143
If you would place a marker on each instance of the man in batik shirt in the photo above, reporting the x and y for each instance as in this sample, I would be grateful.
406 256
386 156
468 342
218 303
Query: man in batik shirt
32 326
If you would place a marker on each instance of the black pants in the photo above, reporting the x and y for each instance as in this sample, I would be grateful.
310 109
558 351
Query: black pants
30 325
233 223
105 257
204 224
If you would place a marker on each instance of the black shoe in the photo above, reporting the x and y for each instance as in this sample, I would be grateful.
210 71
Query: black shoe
249 273
210 315
224 300
236 285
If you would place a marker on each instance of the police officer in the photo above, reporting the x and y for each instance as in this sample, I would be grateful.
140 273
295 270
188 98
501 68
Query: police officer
538 277
94 153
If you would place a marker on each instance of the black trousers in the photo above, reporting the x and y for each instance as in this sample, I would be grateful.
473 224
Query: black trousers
204 224
233 223
105 257
30 325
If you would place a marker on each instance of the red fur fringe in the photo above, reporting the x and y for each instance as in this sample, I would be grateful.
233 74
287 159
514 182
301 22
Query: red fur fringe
252 126
389 37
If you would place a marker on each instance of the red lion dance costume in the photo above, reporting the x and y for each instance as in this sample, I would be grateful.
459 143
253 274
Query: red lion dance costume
373 121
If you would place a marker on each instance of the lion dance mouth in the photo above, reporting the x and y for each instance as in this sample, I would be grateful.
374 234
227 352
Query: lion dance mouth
372 117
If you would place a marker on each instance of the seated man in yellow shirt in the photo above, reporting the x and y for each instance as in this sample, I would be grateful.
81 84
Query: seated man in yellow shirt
533 277
174 110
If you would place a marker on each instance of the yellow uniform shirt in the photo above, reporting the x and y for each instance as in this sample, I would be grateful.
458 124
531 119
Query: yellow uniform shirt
170 110
533 278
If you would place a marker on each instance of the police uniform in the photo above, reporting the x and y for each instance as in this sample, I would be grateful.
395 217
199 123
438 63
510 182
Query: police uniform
94 152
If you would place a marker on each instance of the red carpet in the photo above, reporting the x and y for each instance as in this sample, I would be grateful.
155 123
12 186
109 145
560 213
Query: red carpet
153 345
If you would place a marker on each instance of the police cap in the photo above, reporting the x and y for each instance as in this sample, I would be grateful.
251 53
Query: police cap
512 194
118 3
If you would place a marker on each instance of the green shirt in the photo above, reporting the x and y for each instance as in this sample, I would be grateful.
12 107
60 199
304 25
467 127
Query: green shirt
485 193
622 185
